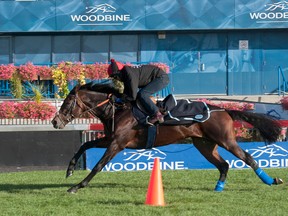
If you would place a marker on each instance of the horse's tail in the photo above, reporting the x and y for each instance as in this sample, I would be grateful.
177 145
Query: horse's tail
268 127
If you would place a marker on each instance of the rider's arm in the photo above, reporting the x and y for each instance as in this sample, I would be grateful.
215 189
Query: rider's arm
131 82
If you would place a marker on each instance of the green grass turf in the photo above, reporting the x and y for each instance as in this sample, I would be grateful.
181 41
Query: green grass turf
189 192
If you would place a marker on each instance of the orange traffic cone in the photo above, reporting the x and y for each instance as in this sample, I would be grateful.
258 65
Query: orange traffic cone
155 194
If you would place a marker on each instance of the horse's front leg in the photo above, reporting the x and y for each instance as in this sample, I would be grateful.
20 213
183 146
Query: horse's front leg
102 142
109 154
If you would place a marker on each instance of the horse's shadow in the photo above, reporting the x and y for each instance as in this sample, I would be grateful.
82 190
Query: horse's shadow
12 188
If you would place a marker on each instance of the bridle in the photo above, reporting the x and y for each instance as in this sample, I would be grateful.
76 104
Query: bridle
69 116
91 110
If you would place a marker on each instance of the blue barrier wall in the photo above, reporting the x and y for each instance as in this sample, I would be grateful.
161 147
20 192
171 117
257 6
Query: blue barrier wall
87 15
229 47
186 156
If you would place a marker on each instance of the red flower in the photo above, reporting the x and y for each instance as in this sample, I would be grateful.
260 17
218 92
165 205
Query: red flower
8 110
242 106
28 71
163 66
29 109
6 71
35 110
44 72
96 71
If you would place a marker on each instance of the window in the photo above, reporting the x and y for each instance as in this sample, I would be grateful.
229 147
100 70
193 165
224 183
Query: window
35 49
124 47
95 48
66 48
4 50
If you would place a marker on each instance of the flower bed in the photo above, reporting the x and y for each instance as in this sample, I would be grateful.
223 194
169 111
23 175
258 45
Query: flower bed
72 71
241 106
61 74
26 110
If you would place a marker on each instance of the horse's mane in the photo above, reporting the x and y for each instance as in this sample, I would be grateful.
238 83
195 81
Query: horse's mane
105 87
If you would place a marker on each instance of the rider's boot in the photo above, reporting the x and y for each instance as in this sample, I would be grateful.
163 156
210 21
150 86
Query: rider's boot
158 117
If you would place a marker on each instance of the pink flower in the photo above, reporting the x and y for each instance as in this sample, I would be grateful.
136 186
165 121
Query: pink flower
96 71
35 110
28 71
44 72
30 109
163 66
6 71
242 106
8 110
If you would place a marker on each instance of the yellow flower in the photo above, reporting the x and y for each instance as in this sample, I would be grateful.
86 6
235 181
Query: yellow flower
60 81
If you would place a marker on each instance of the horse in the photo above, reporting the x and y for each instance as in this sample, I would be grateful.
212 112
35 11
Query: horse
122 130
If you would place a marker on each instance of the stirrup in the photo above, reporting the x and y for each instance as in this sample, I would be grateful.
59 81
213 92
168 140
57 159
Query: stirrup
147 121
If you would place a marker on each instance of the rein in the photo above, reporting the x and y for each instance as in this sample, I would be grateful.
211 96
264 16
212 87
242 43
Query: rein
88 109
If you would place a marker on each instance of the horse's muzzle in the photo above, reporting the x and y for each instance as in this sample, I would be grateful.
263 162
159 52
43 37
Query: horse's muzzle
57 122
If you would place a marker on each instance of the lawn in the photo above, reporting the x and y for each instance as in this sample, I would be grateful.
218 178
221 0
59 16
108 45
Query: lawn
189 192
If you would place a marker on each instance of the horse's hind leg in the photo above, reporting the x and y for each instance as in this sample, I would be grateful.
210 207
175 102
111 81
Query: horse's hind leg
82 149
248 159
209 151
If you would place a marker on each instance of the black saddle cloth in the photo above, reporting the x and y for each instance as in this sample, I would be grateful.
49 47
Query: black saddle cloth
178 112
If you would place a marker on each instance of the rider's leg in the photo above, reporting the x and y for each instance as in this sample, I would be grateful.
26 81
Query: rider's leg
144 97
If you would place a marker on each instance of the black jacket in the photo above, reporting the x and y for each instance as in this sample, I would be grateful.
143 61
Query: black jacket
138 77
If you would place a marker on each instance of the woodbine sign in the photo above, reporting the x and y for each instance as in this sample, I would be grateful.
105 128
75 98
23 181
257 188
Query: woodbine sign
66 15
274 12
103 14
186 156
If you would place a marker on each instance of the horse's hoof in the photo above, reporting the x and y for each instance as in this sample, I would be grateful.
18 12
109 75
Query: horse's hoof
69 173
277 181
72 190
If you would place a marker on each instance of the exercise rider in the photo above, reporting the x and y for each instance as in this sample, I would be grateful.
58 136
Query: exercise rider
140 82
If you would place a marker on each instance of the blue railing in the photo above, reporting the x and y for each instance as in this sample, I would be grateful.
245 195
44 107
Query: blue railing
5 88
282 83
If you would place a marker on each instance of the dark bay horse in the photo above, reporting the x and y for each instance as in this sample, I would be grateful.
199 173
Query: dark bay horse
123 131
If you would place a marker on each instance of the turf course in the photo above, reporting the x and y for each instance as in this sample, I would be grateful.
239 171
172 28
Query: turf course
123 193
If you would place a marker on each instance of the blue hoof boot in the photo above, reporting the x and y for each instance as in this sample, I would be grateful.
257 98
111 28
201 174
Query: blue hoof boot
220 186
264 177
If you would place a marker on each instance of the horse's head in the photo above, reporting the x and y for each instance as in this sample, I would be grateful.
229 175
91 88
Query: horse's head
80 104
68 111
90 99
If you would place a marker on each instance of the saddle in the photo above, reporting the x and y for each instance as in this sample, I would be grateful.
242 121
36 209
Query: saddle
176 112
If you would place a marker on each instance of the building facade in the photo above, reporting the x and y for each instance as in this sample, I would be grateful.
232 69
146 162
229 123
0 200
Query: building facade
228 47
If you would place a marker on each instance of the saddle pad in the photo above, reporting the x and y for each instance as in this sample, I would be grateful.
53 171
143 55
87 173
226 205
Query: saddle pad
179 112
187 112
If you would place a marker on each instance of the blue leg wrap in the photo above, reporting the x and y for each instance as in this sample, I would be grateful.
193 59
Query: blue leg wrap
264 177
219 186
